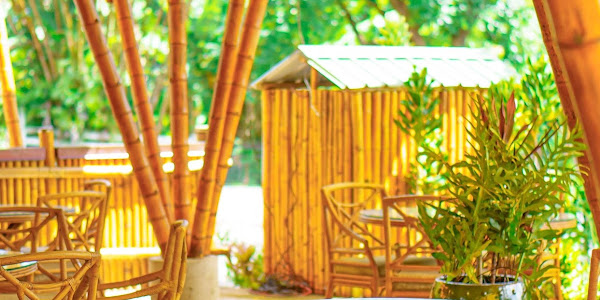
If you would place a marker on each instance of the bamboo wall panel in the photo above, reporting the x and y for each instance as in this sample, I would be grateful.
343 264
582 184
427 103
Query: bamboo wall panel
318 137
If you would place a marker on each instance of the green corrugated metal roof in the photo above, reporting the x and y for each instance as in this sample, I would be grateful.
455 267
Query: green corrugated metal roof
355 67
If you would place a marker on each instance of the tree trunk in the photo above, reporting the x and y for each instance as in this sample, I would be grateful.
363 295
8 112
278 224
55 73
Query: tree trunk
227 64
402 10
40 24
19 7
8 88
361 39
571 34
248 45
177 17
460 38
115 93
142 105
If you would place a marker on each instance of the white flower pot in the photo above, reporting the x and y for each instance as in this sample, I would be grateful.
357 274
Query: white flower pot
201 280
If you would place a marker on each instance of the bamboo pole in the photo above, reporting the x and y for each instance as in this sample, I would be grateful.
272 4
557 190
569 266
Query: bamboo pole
276 118
386 125
8 88
284 179
313 175
218 110
177 16
245 60
570 33
267 166
122 112
142 105
358 141
376 134
46 138
368 135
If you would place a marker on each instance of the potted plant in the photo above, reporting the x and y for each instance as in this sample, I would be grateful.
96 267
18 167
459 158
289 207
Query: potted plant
492 235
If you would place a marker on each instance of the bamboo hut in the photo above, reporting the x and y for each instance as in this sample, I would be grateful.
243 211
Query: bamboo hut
328 116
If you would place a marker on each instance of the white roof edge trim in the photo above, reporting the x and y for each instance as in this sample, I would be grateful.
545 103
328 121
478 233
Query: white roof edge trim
326 74
296 55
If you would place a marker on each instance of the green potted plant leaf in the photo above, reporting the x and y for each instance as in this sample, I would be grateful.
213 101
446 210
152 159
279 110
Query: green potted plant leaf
506 192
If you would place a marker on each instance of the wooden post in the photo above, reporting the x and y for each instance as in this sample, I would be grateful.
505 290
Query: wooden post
7 86
46 137
571 34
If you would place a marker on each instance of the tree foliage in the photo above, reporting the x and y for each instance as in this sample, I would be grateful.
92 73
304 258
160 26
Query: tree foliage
58 84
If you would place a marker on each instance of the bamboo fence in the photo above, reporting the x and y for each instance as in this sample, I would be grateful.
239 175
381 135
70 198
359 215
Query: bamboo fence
128 235
316 137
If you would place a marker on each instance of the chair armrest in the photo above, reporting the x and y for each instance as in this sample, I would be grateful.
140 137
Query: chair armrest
163 286
131 282
349 250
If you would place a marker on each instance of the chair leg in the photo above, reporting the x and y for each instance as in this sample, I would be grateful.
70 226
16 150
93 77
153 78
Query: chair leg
594 272
329 292
374 290
558 289
557 284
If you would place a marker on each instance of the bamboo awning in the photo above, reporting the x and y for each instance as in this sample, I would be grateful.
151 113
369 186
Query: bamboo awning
355 67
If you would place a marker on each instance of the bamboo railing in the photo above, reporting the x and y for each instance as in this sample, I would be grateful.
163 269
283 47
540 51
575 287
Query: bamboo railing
318 137
128 235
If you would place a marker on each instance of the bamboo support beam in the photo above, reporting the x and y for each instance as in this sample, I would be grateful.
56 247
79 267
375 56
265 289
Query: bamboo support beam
122 112
8 88
177 16
567 99
225 72
245 60
572 37
142 104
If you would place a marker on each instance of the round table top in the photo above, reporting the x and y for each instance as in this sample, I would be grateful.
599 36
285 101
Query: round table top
375 216
19 269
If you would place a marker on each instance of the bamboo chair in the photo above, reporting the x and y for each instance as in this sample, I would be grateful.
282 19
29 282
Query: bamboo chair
86 223
39 230
594 274
169 280
33 229
100 185
82 284
351 247
409 264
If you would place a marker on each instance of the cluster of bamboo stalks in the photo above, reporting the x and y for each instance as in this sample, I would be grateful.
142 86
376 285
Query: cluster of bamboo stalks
166 202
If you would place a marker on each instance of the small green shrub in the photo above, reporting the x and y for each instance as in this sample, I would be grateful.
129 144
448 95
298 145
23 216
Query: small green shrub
245 266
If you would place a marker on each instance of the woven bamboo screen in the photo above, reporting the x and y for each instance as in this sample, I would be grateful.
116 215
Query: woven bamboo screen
311 140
